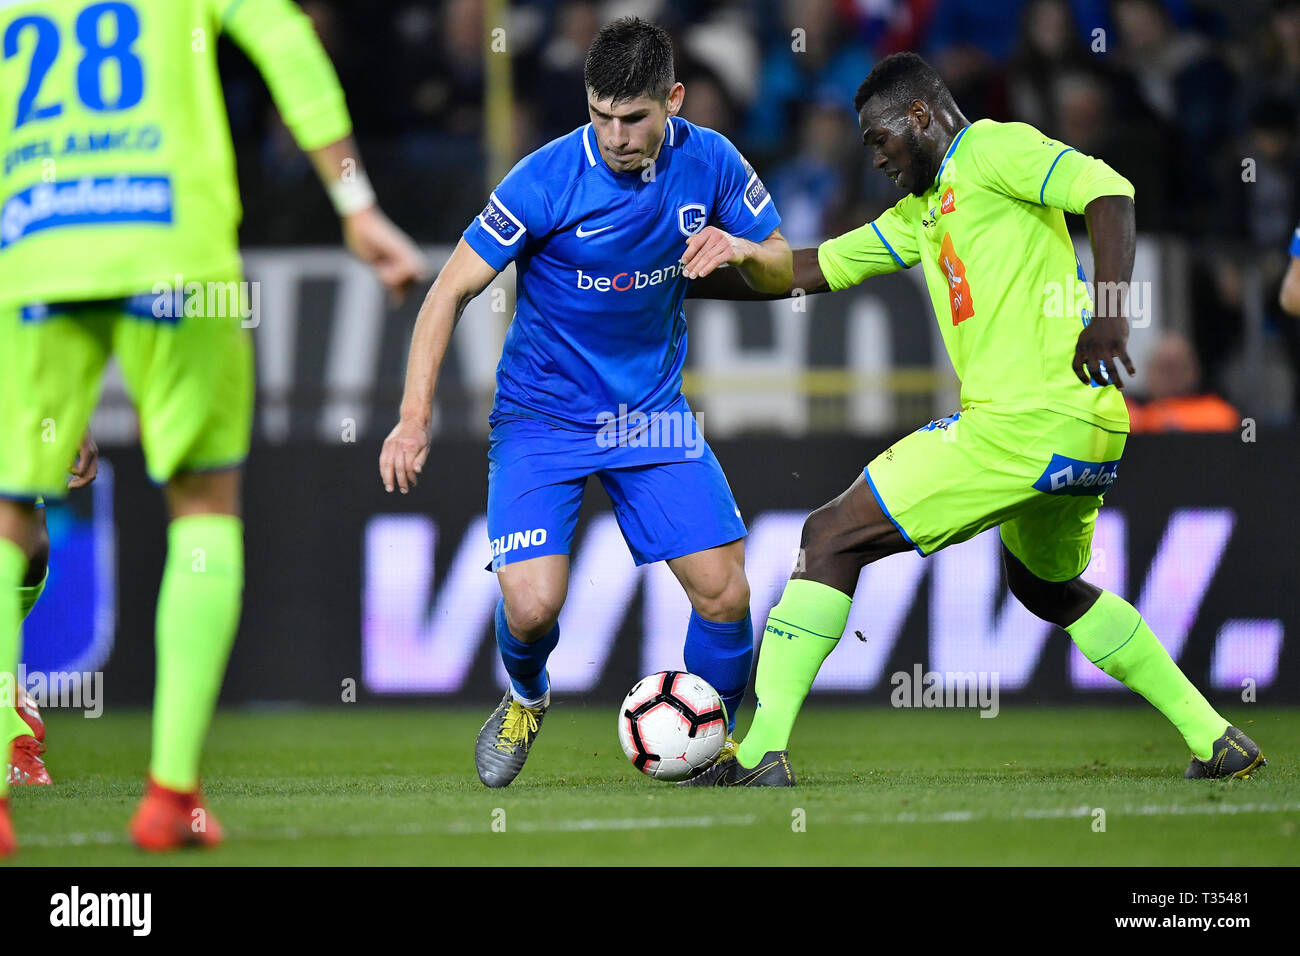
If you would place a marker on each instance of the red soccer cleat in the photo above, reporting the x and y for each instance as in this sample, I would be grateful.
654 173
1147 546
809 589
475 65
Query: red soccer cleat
169 819
8 842
26 768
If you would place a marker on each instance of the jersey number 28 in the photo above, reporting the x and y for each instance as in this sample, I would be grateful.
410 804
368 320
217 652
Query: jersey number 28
126 30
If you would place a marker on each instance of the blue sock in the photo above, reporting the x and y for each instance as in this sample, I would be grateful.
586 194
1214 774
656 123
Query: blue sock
721 652
525 663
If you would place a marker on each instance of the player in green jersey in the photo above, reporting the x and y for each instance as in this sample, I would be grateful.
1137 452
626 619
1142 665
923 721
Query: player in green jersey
1042 425
118 215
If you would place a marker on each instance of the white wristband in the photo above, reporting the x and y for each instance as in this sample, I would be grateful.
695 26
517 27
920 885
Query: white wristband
353 195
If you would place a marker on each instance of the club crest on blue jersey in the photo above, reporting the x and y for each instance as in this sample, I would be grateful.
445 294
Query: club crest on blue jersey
691 218
498 220
1069 476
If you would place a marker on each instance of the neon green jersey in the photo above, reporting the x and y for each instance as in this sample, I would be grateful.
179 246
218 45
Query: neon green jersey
1008 290
118 172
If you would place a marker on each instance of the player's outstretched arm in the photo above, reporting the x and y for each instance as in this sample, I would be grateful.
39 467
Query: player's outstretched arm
280 39
1113 233
729 283
463 277
369 234
764 266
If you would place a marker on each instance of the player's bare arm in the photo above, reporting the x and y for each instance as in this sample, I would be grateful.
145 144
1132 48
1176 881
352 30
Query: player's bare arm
1289 297
729 283
463 277
370 235
1114 235
765 266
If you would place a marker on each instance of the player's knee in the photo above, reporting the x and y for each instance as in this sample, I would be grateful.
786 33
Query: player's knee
1056 601
531 616
818 532
204 492
1036 600
826 534
729 601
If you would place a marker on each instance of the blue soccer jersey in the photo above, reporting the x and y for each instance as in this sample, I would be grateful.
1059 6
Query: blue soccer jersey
599 328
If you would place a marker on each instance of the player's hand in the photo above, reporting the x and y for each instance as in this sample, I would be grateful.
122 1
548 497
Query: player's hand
1104 339
378 243
403 455
86 467
710 248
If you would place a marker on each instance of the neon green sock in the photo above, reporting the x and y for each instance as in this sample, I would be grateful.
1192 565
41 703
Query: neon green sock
801 631
13 565
11 725
28 596
1113 635
198 612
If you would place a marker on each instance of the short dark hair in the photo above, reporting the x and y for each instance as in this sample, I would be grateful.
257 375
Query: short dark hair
901 78
629 57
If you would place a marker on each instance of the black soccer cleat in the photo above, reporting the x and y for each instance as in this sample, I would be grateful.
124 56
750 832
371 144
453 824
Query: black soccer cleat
1234 755
772 771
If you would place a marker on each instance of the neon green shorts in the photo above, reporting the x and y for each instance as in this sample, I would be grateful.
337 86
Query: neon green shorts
188 366
1038 475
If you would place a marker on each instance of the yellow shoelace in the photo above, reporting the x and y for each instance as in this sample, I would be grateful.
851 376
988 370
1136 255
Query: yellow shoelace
516 729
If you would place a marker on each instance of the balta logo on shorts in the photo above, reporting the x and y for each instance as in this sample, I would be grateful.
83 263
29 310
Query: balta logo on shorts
941 423
1069 476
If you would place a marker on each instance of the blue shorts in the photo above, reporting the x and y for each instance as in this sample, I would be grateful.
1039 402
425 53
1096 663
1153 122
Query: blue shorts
669 501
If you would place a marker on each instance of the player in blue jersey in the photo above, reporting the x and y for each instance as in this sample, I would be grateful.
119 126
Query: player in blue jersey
606 227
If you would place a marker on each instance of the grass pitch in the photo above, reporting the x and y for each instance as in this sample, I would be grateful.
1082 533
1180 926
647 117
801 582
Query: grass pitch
347 785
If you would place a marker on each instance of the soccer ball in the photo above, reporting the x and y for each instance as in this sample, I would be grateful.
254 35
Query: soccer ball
672 725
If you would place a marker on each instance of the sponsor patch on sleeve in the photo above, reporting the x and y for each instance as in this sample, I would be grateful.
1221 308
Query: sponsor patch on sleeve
756 196
499 221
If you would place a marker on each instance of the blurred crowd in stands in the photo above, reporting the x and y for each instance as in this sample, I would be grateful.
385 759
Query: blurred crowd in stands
1195 101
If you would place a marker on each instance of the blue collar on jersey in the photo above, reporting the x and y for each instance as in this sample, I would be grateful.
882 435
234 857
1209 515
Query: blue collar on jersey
591 157
948 155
